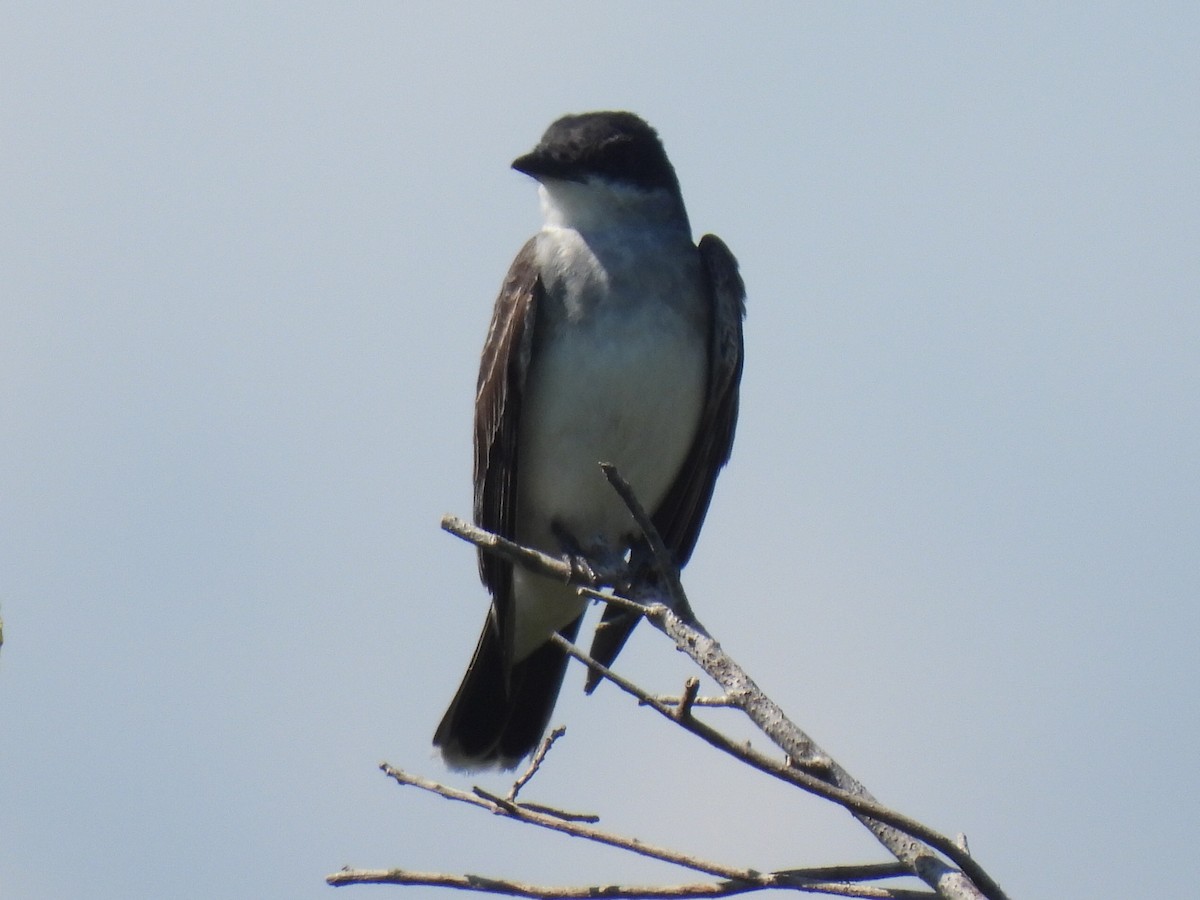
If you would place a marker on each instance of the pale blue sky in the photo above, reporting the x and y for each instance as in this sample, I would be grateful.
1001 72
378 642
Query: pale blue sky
249 253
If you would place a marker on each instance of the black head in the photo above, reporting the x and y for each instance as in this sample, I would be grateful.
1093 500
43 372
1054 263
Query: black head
618 146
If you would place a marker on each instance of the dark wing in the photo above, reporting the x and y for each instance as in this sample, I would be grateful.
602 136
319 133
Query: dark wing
681 513
500 710
501 383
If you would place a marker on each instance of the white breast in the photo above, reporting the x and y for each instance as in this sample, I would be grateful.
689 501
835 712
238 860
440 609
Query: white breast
619 376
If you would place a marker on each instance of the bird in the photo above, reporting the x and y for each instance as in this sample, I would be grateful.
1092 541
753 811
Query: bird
614 338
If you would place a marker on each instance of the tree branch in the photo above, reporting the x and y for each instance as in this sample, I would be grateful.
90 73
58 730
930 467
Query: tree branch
808 767
785 770
841 881
484 884
915 846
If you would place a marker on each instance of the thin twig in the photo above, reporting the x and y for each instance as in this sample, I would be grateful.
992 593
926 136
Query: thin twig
512 808
721 702
523 813
565 815
536 762
666 565
861 872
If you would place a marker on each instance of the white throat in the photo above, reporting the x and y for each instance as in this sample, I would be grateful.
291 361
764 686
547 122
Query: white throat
599 204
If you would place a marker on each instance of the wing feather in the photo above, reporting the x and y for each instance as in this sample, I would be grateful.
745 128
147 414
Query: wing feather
502 372
681 513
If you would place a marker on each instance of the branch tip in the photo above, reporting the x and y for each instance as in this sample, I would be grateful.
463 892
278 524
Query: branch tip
691 687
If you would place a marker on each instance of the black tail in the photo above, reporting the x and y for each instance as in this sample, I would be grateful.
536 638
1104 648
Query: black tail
494 721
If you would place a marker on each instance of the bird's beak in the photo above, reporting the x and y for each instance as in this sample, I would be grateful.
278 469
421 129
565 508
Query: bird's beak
541 166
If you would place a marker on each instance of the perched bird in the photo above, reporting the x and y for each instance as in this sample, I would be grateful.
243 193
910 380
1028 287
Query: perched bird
615 338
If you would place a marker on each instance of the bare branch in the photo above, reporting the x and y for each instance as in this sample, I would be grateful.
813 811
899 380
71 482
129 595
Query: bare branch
840 881
482 884
909 841
677 621
902 835
531 559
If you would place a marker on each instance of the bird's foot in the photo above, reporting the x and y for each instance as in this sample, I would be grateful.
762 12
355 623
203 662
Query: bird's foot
582 571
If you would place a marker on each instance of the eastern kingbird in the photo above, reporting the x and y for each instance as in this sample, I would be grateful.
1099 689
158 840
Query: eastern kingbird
614 338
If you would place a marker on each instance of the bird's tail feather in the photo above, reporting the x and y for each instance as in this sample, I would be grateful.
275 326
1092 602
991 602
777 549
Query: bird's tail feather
496 718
